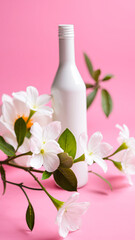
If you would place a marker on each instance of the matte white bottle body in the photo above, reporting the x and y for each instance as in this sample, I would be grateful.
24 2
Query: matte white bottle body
69 102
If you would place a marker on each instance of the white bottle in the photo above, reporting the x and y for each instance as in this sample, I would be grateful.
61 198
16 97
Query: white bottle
69 96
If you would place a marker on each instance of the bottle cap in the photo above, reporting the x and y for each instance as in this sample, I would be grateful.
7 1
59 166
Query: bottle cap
66 31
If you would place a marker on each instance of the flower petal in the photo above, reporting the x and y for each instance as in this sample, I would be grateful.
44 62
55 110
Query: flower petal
94 142
9 114
83 138
36 161
37 131
22 96
63 229
105 149
43 99
35 145
51 162
52 147
100 162
32 95
20 108
6 98
52 130
48 111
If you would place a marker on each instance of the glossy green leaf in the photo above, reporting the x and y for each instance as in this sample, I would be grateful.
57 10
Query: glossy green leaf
30 216
88 85
65 160
20 130
96 75
66 179
46 175
68 143
91 97
106 102
89 64
117 165
107 77
6 148
80 159
3 177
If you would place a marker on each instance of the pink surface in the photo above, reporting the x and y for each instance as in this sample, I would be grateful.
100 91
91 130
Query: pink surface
29 56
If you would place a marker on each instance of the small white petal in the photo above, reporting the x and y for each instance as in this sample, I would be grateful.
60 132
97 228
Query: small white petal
100 162
21 108
22 96
43 99
105 149
83 138
95 141
6 98
89 158
51 162
35 145
52 130
36 161
37 131
73 198
129 180
63 229
52 146
48 111
9 114
32 95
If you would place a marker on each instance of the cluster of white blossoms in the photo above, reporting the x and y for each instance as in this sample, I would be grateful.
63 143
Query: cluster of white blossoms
127 156
42 143
45 149
32 108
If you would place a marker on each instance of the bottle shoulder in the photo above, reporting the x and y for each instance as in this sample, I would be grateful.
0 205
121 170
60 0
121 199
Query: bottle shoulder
68 76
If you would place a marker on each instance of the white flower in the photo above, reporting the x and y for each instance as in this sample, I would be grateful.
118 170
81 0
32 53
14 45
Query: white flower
44 147
124 137
96 150
69 215
128 164
34 101
12 109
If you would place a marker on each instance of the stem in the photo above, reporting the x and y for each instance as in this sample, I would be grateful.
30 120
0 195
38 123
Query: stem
123 146
104 179
79 159
30 115
24 168
23 186
14 157
55 201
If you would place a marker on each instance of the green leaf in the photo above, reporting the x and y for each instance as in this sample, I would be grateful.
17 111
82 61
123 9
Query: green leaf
106 102
3 177
46 175
123 146
6 148
96 74
91 97
20 130
66 179
81 158
107 77
117 165
88 85
65 160
104 179
30 216
68 143
89 64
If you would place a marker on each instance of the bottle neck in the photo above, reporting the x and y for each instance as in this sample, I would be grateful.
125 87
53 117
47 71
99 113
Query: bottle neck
66 51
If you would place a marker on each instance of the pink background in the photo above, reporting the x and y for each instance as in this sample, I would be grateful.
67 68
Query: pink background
105 30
